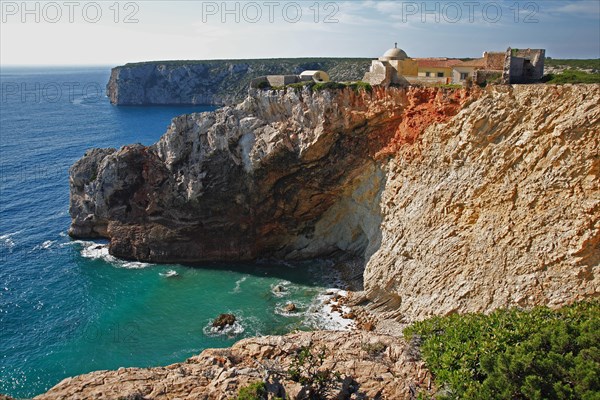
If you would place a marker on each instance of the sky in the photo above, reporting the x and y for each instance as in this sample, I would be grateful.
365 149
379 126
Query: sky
73 32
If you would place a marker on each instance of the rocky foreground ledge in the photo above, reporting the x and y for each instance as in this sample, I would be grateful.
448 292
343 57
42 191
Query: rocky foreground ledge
370 366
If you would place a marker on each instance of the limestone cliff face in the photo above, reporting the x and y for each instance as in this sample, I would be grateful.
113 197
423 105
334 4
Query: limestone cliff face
213 82
458 201
498 207
281 175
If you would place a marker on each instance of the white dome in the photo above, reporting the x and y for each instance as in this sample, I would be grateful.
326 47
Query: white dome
395 54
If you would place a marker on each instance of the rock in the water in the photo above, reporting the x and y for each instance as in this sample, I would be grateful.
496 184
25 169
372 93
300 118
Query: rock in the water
289 307
223 321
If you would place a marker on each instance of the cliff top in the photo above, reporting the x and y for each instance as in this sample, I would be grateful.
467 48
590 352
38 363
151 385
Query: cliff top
247 61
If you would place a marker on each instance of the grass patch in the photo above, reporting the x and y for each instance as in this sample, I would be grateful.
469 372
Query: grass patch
254 391
318 87
448 85
593 63
515 354
572 76
374 349
360 85
300 85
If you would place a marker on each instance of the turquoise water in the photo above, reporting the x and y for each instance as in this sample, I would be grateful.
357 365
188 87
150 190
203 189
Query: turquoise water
66 307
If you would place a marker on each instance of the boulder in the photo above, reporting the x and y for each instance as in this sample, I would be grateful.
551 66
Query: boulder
223 321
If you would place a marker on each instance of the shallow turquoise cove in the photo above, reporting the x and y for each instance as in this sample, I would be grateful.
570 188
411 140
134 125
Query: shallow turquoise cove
66 307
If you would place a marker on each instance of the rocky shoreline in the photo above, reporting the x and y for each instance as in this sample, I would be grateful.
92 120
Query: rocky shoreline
370 366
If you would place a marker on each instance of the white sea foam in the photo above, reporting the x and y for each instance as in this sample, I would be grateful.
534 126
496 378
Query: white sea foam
100 251
229 330
281 289
169 274
321 315
44 246
238 284
7 240
299 311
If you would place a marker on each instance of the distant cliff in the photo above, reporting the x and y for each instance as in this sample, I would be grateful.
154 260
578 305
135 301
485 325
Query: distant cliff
213 82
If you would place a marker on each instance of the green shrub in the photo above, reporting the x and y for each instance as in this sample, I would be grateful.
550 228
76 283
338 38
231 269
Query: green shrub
328 86
360 85
320 86
374 349
254 391
572 76
300 85
593 64
448 85
307 369
264 85
514 354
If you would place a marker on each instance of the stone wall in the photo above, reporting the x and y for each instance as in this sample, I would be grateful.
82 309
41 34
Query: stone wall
282 80
524 66
489 76
428 80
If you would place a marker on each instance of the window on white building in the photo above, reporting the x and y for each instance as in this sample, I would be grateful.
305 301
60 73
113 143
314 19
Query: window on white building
464 76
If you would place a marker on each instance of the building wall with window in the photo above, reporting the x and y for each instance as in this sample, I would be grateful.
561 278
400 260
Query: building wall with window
440 67
461 73
435 72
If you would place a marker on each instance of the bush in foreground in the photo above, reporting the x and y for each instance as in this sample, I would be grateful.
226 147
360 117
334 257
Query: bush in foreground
515 354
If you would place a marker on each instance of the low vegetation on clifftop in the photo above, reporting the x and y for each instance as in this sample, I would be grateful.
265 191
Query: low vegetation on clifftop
514 354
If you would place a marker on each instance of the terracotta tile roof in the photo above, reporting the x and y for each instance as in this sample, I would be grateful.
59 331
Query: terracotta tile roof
437 62
476 63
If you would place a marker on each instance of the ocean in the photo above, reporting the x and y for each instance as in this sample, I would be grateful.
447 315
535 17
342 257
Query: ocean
66 306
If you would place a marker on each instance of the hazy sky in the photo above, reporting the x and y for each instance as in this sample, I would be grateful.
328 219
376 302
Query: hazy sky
115 32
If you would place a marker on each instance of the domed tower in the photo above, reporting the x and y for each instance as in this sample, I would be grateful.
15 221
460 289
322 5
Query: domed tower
391 68
394 54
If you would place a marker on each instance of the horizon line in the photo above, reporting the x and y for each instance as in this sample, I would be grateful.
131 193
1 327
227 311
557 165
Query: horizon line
18 65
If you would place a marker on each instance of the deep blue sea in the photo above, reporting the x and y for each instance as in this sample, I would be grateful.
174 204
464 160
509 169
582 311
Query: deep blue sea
67 307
